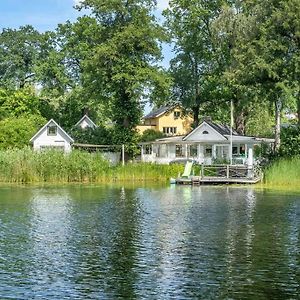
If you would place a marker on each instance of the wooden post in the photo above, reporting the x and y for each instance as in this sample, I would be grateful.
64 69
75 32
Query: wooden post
227 171
123 155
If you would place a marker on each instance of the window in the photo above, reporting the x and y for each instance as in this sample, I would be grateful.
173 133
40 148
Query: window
205 132
179 151
176 114
208 151
147 149
234 150
242 150
52 130
193 150
170 130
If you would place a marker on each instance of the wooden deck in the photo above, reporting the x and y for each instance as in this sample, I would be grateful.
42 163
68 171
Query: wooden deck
224 174
216 180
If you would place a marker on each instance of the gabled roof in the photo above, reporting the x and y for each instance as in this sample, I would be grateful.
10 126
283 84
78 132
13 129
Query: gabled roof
45 126
88 119
158 112
220 130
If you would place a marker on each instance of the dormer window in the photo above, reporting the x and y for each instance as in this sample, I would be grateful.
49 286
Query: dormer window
176 114
205 132
52 130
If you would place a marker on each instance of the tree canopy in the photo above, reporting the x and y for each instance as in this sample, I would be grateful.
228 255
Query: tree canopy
107 64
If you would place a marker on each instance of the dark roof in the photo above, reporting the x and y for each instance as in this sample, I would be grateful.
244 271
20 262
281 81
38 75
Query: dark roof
222 129
157 112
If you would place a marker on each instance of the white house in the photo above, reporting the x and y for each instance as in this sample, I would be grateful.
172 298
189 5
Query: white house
51 135
86 122
207 144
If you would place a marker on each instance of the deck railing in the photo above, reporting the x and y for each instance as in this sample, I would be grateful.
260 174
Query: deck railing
230 171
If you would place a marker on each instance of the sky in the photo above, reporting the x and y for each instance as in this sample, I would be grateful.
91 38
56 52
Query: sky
42 14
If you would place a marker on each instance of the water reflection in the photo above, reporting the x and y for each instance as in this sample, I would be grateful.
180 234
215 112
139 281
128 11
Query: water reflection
158 243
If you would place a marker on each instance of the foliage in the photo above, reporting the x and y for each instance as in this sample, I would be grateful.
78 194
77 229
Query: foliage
16 132
25 166
19 102
151 135
260 121
96 136
19 54
290 141
195 67
121 67
267 58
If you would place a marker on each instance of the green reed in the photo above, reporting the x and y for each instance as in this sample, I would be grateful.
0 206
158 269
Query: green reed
27 166
284 172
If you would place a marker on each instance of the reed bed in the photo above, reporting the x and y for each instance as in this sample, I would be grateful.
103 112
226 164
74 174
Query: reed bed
27 166
284 172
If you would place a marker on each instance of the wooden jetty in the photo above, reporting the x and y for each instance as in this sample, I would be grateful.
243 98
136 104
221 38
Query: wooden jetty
224 174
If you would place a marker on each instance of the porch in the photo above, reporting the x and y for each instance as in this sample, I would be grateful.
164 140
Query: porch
202 153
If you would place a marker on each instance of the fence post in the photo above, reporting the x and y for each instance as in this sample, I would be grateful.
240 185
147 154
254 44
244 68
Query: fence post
227 171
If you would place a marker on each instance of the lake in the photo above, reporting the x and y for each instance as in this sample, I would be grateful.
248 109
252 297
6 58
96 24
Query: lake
174 242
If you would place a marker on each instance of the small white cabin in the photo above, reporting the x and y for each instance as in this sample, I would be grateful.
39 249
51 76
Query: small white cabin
51 135
86 122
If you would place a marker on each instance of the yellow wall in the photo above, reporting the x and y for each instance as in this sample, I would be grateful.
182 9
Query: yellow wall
182 123
142 128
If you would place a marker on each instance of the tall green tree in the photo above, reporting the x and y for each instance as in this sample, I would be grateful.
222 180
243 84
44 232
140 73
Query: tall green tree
268 58
122 67
19 53
197 64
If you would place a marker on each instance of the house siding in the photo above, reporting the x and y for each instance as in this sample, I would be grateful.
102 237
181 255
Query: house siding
58 140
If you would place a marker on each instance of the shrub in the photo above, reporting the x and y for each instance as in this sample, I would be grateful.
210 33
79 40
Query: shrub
151 135
290 141
16 132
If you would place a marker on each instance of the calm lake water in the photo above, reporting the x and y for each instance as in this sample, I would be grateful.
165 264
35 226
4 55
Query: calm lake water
149 243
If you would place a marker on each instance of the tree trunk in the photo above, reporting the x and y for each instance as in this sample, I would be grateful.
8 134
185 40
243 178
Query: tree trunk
278 106
240 122
196 110
240 115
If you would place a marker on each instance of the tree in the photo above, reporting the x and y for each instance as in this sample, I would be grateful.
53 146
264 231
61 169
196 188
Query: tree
18 103
19 53
196 67
121 68
267 59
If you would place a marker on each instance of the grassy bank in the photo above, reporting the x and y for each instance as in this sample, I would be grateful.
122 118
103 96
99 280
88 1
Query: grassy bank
26 166
283 173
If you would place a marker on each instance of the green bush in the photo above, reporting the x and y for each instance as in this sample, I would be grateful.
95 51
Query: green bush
290 141
151 135
97 136
16 132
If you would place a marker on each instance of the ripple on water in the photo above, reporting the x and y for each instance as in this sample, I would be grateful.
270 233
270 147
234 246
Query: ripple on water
145 243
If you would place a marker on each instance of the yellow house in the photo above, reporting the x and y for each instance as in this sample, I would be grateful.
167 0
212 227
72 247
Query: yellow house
169 120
